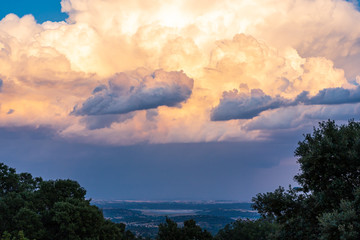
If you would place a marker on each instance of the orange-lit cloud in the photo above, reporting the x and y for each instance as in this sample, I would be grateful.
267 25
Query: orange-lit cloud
124 72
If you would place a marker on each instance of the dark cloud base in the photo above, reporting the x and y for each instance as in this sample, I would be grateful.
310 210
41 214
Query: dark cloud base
193 171
234 105
128 92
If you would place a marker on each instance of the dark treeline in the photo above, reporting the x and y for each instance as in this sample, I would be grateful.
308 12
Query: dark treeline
325 205
31 208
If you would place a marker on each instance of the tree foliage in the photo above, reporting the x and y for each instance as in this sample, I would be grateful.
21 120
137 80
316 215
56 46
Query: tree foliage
18 236
262 229
31 208
342 223
326 206
330 161
190 231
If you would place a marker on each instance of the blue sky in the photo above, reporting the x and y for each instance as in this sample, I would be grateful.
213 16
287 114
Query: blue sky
170 99
42 10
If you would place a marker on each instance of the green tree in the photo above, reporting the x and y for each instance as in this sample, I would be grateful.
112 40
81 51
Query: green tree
10 181
247 229
169 231
329 161
30 222
50 210
111 231
190 231
19 236
51 192
75 220
324 206
342 223
296 213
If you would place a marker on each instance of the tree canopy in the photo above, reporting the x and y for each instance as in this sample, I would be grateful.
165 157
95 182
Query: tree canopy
190 231
31 208
326 206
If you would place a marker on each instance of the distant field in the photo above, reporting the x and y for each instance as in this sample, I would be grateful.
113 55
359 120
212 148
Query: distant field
143 217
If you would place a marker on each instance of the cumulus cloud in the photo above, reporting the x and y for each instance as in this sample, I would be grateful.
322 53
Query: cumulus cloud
234 105
104 121
151 114
127 92
300 116
331 96
290 59
320 36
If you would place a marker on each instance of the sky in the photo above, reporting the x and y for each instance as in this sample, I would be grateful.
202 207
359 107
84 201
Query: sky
172 100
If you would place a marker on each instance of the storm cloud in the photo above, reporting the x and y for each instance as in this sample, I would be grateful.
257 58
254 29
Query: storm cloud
128 92
234 105
78 76
80 98
330 96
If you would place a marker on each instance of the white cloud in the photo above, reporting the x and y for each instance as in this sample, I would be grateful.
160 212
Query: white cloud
281 48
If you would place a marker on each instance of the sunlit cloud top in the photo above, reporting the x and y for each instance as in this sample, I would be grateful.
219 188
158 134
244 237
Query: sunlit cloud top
126 72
